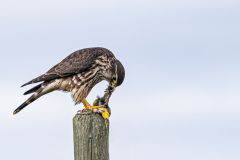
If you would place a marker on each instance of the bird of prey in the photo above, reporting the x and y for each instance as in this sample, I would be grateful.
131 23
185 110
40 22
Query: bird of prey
78 73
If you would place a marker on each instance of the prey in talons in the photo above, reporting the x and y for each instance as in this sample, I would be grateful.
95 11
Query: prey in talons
100 105
78 73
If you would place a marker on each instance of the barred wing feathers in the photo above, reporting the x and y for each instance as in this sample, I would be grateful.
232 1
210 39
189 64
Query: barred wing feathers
76 62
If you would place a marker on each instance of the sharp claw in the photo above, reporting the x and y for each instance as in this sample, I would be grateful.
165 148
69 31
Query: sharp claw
106 122
99 106
105 114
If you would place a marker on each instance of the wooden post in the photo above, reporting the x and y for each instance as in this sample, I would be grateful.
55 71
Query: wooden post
90 137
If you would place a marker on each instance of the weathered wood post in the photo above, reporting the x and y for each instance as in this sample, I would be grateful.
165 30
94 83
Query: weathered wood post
91 137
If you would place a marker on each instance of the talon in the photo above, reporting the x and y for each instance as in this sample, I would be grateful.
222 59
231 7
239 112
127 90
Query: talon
96 108
90 107
105 114
106 122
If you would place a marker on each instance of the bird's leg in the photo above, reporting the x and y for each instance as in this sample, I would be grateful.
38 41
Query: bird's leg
88 106
100 105
103 101
97 108
103 109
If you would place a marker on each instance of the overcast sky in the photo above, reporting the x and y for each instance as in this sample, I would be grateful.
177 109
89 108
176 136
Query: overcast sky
179 101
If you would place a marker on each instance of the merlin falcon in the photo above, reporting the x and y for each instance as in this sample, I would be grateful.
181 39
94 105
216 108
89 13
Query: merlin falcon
78 73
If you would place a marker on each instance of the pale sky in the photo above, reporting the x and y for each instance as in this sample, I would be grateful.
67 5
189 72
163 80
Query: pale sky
179 101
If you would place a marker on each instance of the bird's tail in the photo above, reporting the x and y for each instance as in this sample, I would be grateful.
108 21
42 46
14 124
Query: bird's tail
27 102
34 89
35 96
37 91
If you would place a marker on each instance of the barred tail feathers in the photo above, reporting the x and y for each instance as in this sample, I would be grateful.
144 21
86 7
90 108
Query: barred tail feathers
39 90
32 90
27 102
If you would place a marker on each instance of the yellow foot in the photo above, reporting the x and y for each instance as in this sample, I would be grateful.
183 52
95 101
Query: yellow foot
105 112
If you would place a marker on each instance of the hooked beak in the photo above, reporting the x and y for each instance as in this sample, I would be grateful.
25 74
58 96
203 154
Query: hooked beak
113 83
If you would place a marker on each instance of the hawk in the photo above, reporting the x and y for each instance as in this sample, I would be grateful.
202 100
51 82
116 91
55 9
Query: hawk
78 73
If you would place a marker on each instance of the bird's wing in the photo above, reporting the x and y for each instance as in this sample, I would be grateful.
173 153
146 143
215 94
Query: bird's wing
76 62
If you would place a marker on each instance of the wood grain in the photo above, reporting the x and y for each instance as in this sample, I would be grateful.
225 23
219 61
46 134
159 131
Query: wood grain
91 137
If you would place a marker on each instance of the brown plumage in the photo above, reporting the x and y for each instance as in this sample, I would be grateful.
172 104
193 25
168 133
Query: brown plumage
78 73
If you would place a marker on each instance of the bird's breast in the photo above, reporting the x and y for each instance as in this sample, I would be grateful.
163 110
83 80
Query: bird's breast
81 84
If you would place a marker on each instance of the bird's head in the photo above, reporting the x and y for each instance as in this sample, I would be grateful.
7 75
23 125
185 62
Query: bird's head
118 74
115 76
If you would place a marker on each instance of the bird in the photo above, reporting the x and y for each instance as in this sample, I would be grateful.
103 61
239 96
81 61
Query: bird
78 73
